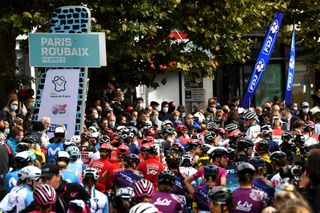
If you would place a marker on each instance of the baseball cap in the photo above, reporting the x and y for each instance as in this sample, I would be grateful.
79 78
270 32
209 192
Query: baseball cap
305 104
59 129
49 170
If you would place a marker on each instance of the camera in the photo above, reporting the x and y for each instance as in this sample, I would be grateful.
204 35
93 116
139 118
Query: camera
290 171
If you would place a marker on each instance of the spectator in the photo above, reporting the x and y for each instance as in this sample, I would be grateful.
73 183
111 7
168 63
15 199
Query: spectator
15 138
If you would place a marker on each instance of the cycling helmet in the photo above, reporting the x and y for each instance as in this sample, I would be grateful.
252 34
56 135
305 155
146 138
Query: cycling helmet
143 188
231 127
206 147
148 147
76 139
22 158
166 177
199 117
176 147
93 129
212 126
168 130
91 173
186 160
29 172
308 124
245 143
134 130
85 135
266 130
73 151
262 145
286 136
151 132
249 115
277 156
299 139
209 136
181 128
193 144
131 158
68 143
144 208
217 152
246 168
104 139
257 162
173 161
166 123
106 146
22 146
220 195
44 195
125 133
235 134
211 171
231 153
123 149
62 156
29 139
125 193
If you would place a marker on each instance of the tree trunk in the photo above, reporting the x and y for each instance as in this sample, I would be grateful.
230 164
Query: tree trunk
7 65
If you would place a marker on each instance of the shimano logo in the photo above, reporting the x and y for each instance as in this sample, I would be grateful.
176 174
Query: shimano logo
253 83
289 83
268 45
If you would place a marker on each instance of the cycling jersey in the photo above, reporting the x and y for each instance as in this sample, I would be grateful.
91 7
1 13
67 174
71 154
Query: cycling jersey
200 196
248 200
202 161
179 187
264 185
18 199
99 202
104 168
52 150
150 169
167 202
11 179
69 177
232 178
127 178
75 168
222 173
252 132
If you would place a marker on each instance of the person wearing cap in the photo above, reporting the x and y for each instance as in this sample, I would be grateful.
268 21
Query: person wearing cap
62 161
56 143
247 199
304 113
66 191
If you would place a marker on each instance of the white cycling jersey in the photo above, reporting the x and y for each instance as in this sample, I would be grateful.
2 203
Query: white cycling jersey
99 202
253 132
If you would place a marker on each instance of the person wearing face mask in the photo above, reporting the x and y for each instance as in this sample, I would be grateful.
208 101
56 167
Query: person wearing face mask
154 117
164 113
294 109
112 122
304 113
176 118
139 104
11 113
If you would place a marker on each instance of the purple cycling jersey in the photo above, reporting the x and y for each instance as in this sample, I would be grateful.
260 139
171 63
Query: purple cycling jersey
126 178
167 202
222 173
248 200
200 196
264 186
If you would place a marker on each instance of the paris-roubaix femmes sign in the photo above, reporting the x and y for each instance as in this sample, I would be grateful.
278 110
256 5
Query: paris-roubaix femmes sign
67 50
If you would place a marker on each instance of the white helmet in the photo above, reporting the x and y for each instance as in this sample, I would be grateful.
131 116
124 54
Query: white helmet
29 172
76 139
144 208
91 172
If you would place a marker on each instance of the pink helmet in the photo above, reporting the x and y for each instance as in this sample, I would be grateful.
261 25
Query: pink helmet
143 188
44 195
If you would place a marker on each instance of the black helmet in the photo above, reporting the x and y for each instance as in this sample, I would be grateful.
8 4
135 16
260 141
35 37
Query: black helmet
173 161
230 127
278 156
212 126
286 136
30 139
246 168
131 158
257 162
168 130
263 145
166 177
245 143
206 147
218 152
266 130
22 146
211 171
220 195
209 136
249 115
231 153
299 139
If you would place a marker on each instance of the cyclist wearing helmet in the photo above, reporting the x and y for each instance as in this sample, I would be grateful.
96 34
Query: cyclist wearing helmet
251 123
62 160
22 159
244 150
220 200
260 182
219 156
168 135
209 137
278 161
163 199
21 196
122 151
200 195
202 156
129 175
308 131
232 178
143 190
151 166
104 168
44 197
266 134
123 200
32 143
246 199
182 133
75 163
98 202
144 207
56 143
262 150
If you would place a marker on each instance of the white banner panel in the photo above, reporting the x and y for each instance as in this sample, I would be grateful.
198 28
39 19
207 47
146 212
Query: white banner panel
59 99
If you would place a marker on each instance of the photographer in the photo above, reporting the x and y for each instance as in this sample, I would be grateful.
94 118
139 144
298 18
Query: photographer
309 185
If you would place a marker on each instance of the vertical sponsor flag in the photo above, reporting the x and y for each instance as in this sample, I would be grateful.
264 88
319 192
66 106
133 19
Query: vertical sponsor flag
292 62
263 59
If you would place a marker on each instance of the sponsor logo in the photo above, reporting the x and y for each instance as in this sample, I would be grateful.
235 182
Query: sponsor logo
246 207
289 83
253 83
59 109
59 83
260 65
274 28
162 202
291 63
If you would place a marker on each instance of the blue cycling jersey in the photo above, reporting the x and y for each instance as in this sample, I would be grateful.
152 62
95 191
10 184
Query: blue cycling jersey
52 150
126 178
70 177
11 179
